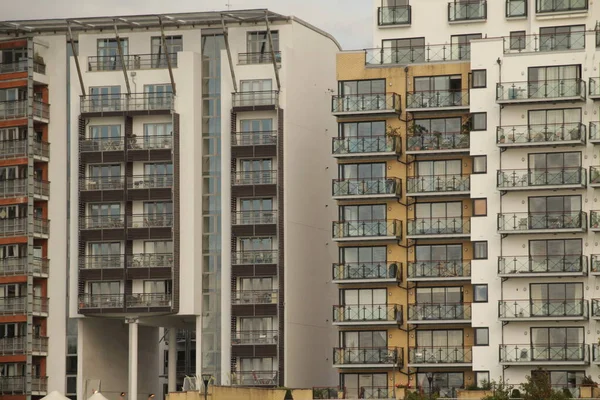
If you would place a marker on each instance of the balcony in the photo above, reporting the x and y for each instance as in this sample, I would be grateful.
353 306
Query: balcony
542 222
13 149
40 306
594 91
437 143
367 314
595 264
438 185
367 272
542 266
366 188
439 228
596 354
430 53
254 338
150 226
371 146
254 378
560 6
112 144
41 150
432 313
470 10
440 356
541 179
251 178
150 187
13 305
254 297
16 385
563 90
516 8
149 301
13 227
544 354
367 357
394 15
367 230
101 183
259 58
268 217
41 111
13 109
109 261
123 104
13 188
522 44
41 189
131 62
540 135
439 270
543 310
595 132
595 221
596 309
366 104
150 260
265 100
18 346
13 266
101 303
254 144
437 100
251 257
102 222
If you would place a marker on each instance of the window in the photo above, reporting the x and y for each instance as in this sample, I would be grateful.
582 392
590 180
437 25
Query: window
252 369
12 94
365 262
478 78
439 295
566 379
437 91
403 51
105 288
555 168
556 299
482 337
556 255
105 131
256 85
461 45
258 42
108 54
547 340
174 45
479 121
443 383
480 250
516 8
158 96
555 211
362 171
554 81
105 98
480 164
364 384
13 56
366 87
554 123
439 210
157 287
480 293
367 212
479 207
361 129
438 133
556 38
71 385
482 378
364 304
363 339
518 40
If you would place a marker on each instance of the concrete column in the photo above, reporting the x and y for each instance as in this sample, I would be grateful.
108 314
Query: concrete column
172 372
133 358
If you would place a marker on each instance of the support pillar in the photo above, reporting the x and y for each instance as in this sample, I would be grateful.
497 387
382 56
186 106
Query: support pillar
133 358
172 363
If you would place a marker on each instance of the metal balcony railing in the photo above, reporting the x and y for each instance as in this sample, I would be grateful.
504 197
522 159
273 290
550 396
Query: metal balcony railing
516 8
418 54
105 261
13 109
439 312
254 297
531 178
366 187
594 89
100 103
254 257
148 300
367 313
40 305
132 62
13 188
545 6
544 42
365 103
257 217
102 144
254 337
100 301
150 142
596 353
13 148
264 177
523 221
154 220
150 181
102 183
13 266
103 222
516 353
41 109
595 131
439 226
41 149
471 10
432 141
543 308
13 227
254 378
18 345
394 15
555 89
361 145
595 263
253 99
425 99
367 229
373 270
367 355
150 260
14 385
595 219
440 355
540 133
424 184
558 264
18 66
596 308
13 305
265 57
439 269
41 188
254 138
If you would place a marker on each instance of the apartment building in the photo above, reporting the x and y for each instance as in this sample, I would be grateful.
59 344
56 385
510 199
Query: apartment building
198 178
441 134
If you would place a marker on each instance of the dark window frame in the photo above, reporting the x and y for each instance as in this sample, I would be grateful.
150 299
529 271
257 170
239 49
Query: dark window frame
485 285
473 72
473 165
475 342
473 207
475 257
472 127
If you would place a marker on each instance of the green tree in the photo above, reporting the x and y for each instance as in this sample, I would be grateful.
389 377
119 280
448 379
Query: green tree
538 387
500 391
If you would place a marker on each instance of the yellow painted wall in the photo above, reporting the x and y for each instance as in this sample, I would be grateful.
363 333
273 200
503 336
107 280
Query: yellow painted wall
237 393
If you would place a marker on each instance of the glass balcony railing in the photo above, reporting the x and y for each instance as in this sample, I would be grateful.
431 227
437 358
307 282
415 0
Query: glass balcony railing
367 356
552 353
595 220
470 10
13 188
103 222
367 271
13 227
440 355
394 15
18 345
101 301
17 385
102 183
544 42
357 313
153 220
441 226
254 378
438 269
524 222
418 54
347 146
596 308
367 229
149 142
40 305
557 6
369 187
258 337
434 99
540 134
150 181
254 138
439 312
365 103
13 305
13 148
265 57
594 89
102 144
103 103
508 179
535 91
13 109
131 62
437 184
148 300
596 353
41 149
254 257
108 261
543 308
543 265
433 142
595 131
264 98
41 188
516 8
255 217
12 266
264 177
150 260
254 297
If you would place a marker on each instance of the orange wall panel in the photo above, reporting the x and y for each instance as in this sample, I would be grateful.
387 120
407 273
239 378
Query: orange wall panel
13 240
14 83
13 318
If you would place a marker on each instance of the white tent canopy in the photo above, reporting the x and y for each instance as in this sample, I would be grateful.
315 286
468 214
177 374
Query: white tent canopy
55 396
97 396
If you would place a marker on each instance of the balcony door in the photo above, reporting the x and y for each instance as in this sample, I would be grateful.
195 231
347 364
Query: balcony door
555 168
364 304
438 217
258 92
104 255
445 175
254 211
365 263
365 347
553 82
105 176
256 132
106 215
13 330
257 371
157 175
159 58
105 138
158 213
158 96
256 171
438 91
557 299
258 46
12 370
10 107
439 346
444 384
108 53
362 95
255 324
562 38
558 255
555 212
105 98
439 260
461 44
554 124
364 220
156 136
365 386
105 294
558 344
405 51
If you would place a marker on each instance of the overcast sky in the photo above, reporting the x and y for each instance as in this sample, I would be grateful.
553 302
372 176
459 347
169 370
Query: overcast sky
349 21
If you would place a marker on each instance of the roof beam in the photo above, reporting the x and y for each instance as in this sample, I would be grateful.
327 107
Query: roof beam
76 57
167 54
272 52
231 69
123 66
